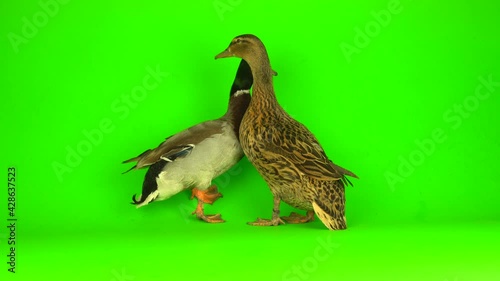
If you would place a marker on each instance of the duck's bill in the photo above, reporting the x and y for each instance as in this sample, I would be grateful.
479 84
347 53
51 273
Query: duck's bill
224 54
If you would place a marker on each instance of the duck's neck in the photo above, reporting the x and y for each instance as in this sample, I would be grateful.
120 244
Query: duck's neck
238 104
263 90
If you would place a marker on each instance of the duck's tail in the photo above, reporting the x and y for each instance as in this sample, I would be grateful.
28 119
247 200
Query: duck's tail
135 159
150 186
145 200
329 206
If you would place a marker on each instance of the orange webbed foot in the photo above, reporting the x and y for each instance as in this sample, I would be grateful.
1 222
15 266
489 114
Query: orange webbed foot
265 222
208 196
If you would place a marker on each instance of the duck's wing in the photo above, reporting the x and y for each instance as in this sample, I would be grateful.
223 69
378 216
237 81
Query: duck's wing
178 145
294 143
316 144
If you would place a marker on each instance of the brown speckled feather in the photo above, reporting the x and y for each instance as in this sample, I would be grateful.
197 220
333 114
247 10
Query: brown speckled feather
292 142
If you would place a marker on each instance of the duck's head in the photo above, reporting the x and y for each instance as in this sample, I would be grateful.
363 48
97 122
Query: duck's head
243 46
247 47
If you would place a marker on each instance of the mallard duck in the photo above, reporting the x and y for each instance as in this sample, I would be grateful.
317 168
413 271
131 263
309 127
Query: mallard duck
285 153
194 157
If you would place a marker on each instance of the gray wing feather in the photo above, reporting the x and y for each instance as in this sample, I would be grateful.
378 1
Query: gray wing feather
178 145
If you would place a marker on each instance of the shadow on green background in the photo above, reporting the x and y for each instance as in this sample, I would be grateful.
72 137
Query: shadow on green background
405 94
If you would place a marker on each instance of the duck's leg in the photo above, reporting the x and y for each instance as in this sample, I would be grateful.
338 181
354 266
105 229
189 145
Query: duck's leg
208 196
296 218
275 220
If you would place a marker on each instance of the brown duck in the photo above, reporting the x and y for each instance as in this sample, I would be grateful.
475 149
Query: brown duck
285 152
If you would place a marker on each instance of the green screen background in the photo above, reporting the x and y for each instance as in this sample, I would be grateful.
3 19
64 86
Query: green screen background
400 107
